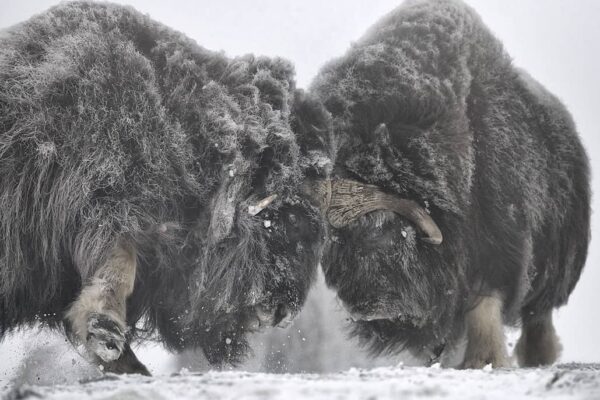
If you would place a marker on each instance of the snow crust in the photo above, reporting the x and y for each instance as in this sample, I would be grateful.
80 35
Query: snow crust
567 381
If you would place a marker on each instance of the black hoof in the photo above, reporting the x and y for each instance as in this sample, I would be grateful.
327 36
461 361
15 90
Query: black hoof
127 363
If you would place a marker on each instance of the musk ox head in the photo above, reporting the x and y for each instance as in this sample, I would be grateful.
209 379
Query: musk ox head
257 241
383 258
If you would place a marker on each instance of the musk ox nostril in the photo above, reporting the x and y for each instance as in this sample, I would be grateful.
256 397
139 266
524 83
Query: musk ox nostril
354 315
265 316
282 317
253 323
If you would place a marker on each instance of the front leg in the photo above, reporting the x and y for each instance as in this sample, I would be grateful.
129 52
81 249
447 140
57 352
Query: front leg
98 317
485 335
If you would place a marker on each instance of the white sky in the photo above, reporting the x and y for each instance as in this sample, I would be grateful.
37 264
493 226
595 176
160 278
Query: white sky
555 40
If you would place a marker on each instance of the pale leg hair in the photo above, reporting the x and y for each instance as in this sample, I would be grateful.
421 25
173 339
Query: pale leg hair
538 344
485 335
98 316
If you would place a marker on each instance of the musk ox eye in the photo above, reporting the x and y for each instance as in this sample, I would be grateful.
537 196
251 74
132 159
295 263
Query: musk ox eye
374 233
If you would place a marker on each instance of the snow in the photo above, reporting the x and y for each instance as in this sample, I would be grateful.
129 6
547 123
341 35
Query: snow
45 366
567 381
42 363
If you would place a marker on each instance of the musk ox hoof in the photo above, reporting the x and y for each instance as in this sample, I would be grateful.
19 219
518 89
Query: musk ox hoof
127 363
479 363
105 338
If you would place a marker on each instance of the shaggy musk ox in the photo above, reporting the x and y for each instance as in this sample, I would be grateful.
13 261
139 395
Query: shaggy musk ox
459 197
148 185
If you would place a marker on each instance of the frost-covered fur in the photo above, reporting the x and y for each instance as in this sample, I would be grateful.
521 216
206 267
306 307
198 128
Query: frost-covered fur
114 127
493 156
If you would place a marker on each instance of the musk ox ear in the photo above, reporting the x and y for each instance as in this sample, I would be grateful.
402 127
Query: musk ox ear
344 200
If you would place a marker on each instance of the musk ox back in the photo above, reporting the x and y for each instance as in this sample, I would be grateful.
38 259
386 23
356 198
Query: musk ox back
428 111
146 182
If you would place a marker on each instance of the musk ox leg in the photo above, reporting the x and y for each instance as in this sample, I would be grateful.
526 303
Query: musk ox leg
97 317
538 344
485 335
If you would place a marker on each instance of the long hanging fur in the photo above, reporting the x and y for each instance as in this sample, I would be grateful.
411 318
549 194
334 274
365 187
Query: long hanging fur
487 150
113 125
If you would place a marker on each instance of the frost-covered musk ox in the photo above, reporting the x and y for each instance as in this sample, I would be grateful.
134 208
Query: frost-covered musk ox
460 197
145 179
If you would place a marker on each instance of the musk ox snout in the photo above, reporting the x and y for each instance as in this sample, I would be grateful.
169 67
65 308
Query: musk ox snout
369 313
281 316
384 306
381 270
266 262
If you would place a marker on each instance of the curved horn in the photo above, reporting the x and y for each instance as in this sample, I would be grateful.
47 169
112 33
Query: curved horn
318 192
350 200
261 205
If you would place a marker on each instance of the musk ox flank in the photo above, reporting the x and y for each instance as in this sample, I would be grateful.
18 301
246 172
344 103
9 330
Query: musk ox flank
459 197
149 186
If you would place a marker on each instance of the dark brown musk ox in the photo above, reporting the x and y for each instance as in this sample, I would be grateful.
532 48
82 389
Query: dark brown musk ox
459 199
149 187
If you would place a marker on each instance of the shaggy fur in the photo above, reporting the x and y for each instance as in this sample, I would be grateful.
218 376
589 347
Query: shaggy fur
115 127
493 156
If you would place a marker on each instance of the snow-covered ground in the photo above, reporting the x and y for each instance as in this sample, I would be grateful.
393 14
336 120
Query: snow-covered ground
42 364
567 381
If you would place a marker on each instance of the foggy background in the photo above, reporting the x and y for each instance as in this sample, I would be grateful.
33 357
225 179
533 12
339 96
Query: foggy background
555 41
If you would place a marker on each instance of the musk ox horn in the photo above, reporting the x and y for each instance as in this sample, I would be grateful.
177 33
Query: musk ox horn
344 200
261 205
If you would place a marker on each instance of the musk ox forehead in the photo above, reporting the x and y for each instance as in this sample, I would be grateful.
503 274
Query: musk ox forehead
246 123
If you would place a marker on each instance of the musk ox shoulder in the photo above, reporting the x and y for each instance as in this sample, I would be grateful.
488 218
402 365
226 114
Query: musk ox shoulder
459 198
136 172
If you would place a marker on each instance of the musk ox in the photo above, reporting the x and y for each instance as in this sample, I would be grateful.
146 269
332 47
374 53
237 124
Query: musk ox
149 186
459 199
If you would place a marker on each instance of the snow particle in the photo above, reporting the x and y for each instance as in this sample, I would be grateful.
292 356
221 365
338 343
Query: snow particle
47 149
267 224
404 234
228 341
